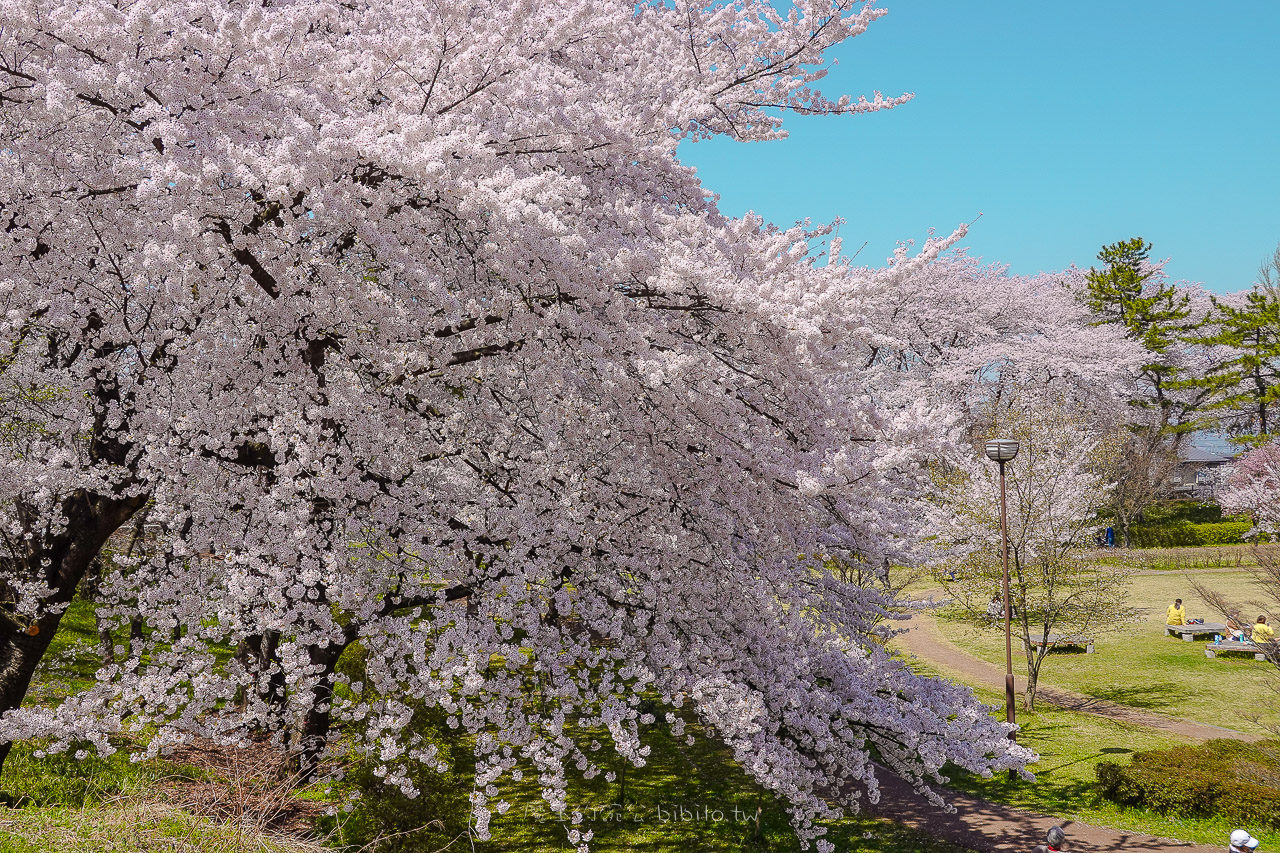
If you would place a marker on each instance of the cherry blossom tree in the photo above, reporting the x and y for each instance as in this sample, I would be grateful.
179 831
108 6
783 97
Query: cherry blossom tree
1020 356
955 335
406 326
1056 485
1253 486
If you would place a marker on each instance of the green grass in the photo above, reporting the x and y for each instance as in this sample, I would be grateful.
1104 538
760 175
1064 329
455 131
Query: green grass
1191 557
31 779
1070 745
692 797
72 659
1141 666
689 796
685 799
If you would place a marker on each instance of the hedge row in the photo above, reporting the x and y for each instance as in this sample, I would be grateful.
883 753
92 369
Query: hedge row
1179 534
1221 778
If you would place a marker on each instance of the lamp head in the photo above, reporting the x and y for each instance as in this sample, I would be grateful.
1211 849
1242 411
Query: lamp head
1002 449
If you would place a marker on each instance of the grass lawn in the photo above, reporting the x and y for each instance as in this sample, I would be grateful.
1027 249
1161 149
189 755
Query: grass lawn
1204 557
1143 667
72 659
1070 745
128 826
688 797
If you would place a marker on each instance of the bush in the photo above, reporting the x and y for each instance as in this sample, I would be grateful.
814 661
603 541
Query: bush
1221 778
1180 534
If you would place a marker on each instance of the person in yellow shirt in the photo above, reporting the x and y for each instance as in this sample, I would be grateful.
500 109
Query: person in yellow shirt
1262 632
1176 614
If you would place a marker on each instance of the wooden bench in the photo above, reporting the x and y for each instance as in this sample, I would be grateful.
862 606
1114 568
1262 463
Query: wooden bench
1212 650
1190 632
1066 640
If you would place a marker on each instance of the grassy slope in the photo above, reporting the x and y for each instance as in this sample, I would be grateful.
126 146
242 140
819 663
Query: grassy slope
112 804
701 778
81 800
128 826
1070 746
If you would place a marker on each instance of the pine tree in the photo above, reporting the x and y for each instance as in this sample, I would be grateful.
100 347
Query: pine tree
1248 383
1132 292
1128 292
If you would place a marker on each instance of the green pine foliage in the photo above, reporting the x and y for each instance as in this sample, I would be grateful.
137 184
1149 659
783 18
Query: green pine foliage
1247 383
1153 312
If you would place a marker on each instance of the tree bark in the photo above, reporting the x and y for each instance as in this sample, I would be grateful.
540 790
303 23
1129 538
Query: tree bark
20 654
62 561
1035 657
314 735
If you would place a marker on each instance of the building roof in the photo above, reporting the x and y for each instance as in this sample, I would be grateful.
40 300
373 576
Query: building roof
1203 456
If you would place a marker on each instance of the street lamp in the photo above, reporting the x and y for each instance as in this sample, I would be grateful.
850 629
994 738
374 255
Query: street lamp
1000 451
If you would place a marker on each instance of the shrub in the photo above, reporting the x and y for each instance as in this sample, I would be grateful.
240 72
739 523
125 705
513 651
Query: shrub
1221 778
1176 534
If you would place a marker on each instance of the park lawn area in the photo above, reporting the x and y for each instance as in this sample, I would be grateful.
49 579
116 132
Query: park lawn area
1190 557
1143 667
688 797
130 825
72 659
1070 744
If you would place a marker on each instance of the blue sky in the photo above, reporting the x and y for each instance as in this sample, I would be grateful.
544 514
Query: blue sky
1066 124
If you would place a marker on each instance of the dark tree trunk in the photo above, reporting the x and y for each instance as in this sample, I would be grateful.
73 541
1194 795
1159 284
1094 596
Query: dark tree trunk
20 654
257 654
314 734
106 642
135 635
61 561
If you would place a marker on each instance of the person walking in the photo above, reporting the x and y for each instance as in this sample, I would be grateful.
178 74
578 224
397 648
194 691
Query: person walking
1053 841
1242 842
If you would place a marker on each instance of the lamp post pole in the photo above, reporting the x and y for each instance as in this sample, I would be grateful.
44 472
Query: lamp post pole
1003 450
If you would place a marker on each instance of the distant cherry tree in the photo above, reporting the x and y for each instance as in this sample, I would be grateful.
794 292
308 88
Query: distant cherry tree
1252 485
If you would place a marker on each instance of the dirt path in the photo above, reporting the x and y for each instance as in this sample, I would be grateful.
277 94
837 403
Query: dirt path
985 826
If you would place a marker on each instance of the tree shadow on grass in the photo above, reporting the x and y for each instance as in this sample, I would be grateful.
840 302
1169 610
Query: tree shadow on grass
1147 696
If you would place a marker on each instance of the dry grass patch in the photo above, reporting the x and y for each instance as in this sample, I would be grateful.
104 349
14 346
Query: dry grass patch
132 825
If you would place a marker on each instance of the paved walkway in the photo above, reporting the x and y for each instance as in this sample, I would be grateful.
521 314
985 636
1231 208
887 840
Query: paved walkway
985 826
